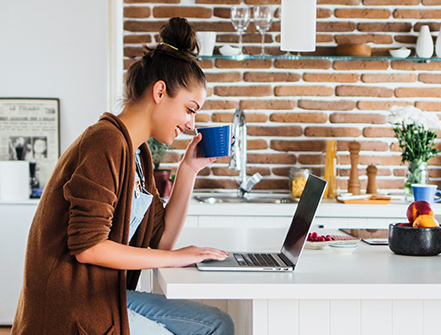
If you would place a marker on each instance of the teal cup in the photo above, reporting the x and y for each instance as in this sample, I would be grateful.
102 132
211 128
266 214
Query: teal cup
216 141
427 192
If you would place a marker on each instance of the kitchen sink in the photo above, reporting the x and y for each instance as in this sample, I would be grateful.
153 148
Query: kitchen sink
234 198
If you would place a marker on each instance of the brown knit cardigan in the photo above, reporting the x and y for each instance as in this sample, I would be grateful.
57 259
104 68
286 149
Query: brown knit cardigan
87 200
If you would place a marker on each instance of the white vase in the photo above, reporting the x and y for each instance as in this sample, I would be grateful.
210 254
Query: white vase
424 45
438 45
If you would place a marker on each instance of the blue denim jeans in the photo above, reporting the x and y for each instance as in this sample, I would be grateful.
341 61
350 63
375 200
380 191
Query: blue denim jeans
154 314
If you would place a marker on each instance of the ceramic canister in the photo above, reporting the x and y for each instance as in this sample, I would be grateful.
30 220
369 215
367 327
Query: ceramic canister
424 45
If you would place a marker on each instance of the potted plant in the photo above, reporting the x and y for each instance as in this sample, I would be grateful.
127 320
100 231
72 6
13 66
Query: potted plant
162 176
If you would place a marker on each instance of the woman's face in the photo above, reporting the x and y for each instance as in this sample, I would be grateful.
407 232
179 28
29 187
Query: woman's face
175 115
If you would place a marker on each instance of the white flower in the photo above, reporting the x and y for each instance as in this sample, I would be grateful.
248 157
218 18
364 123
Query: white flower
409 115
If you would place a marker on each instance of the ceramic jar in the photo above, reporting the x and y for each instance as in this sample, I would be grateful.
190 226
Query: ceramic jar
424 45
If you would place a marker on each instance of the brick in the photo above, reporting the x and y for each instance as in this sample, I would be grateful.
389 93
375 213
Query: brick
357 118
430 78
267 104
219 104
257 144
379 160
327 26
152 1
137 12
249 117
219 2
256 50
213 26
279 131
271 159
271 77
363 39
406 39
132 52
332 132
363 91
223 171
326 105
262 2
299 117
391 2
381 105
309 159
138 39
250 91
205 64
222 77
296 146
180 144
362 13
324 38
264 171
183 11
244 64
365 146
218 183
428 106
378 132
284 171
431 2
143 26
272 184
171 157
361 65
323 13
420 14
331 77
202 117
339 2
384 27
415 66
302 64
389 78
432 92
303 91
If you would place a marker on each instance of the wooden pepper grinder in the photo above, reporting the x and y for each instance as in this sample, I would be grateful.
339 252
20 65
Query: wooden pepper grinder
371 171
354 182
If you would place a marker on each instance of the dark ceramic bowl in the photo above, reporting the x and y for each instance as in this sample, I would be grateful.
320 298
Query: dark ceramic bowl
405 240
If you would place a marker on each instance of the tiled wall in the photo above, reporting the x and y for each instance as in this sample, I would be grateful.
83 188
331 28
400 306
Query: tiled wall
293 106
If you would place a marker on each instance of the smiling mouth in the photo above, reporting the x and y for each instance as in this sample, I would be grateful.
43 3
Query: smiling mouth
177 131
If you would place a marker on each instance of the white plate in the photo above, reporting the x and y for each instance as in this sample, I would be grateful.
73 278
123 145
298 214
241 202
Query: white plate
353 197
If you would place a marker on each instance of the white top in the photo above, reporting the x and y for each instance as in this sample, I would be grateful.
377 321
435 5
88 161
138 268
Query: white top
371 272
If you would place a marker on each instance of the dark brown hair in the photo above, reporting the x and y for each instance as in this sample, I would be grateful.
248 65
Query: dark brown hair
172 61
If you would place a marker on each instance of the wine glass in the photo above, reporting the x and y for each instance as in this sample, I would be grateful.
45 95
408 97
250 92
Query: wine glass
263 18
240 18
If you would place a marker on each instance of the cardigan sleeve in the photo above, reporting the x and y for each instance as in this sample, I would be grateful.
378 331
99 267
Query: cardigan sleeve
92 190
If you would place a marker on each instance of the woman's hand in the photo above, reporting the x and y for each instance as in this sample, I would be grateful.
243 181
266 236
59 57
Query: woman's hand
193 155
190 255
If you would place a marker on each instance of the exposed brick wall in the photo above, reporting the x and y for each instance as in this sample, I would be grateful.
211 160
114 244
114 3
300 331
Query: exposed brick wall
293 106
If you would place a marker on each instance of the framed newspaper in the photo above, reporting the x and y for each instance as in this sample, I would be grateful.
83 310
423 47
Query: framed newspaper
30 131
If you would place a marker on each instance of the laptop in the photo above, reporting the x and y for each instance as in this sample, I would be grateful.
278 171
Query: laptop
293 245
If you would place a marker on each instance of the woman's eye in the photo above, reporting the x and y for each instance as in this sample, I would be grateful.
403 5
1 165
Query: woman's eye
191 110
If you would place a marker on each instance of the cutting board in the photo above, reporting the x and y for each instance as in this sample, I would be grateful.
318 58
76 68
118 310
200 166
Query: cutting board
374 200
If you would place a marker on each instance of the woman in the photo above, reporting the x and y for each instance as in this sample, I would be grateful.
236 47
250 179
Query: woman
100 219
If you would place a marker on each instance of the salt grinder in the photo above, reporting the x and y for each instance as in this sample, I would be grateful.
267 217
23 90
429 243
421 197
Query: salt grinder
354 182
371 183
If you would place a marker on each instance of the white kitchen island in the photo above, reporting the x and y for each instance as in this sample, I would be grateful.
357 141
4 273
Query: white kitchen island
372 291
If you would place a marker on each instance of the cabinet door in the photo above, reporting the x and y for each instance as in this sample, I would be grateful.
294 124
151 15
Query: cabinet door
15 221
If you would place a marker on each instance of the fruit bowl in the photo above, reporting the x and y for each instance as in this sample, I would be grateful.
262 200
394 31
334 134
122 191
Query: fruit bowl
407 240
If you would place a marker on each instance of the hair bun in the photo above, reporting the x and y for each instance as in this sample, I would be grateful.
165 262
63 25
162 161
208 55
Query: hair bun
180 34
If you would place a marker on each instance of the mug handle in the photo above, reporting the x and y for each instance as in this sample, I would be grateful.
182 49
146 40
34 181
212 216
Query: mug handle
437 192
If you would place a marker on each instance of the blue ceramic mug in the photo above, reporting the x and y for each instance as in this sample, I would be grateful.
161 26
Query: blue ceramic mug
426 192
216 141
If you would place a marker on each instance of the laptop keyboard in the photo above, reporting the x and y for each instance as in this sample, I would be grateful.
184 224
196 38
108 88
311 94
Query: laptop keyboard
256 260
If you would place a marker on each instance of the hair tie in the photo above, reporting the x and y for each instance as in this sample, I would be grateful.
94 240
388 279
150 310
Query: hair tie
171 46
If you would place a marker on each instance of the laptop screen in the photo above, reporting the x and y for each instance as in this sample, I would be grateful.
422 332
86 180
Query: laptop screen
301 222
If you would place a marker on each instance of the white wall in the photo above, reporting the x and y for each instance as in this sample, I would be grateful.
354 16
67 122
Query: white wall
57 49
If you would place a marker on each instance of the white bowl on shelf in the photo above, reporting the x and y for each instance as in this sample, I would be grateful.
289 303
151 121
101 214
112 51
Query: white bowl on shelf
228 50
400 53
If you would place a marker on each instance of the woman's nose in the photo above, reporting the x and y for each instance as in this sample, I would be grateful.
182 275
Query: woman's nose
191 122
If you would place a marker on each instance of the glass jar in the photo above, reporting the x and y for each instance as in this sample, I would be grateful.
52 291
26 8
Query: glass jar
297 181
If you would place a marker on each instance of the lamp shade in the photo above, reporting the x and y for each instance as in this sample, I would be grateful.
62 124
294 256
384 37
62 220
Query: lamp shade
298 25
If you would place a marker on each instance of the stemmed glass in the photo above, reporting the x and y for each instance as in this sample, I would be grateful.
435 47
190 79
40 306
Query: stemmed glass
240 18
263 18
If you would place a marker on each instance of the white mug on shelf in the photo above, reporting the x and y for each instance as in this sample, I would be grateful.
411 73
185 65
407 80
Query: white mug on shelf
206 39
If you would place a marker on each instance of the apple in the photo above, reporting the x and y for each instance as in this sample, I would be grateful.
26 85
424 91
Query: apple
424 221
417 208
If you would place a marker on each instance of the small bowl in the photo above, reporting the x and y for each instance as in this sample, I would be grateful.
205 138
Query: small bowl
400 53
228 50
344 247
405 240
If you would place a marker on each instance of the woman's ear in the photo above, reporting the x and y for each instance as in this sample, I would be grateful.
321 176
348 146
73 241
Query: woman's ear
159 91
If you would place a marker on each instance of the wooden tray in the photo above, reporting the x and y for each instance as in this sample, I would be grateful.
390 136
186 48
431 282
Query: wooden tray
374 200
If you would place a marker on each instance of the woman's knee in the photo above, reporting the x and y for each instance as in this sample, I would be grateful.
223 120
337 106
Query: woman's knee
224 323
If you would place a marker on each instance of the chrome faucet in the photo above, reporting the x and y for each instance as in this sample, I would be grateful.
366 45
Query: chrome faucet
238 160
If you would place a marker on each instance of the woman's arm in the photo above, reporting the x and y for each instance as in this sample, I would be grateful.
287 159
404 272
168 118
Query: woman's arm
114 255
177 206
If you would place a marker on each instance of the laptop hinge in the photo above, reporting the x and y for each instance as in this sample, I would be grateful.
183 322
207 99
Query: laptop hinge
285 259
